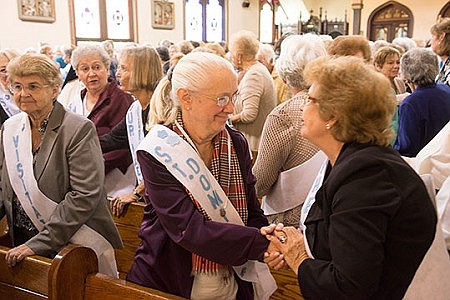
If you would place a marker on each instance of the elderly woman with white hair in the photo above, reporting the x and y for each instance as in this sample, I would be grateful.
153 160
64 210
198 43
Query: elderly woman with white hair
202 215
426 111
105 104
286 161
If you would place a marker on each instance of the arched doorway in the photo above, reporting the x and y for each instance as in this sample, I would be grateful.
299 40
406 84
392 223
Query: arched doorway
389 21
445 11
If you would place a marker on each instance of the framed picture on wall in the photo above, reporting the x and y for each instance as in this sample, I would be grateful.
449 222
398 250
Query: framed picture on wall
37 10
163 14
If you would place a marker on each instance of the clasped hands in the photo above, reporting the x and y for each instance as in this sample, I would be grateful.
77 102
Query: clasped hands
286 247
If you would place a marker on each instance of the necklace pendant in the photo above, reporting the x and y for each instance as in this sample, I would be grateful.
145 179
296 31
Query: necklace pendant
222 212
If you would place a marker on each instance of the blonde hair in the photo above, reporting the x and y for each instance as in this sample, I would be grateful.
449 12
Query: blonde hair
163 109
146 68
246 43
35 65
359 97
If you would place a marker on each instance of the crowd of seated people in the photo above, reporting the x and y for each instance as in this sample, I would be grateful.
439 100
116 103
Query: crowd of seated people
340 129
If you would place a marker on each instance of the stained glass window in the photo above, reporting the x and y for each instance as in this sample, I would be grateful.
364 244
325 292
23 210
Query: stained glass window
204 20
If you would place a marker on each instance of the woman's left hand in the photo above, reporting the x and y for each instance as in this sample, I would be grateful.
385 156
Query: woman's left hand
290 242
17 254
119 203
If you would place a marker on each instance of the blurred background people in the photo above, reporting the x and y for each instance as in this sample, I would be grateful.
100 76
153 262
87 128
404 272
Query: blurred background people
440 44
62 150
426 111
282 173
350 45
256 96
8 107
368 220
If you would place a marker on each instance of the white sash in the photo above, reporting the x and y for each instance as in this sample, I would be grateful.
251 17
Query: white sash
292 186
8 104
135 132
76 105
434 158
39 208
184 163
309 201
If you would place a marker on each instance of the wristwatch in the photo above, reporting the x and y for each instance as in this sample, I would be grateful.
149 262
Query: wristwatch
135 193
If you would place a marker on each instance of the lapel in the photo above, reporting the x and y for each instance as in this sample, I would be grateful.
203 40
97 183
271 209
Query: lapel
49 138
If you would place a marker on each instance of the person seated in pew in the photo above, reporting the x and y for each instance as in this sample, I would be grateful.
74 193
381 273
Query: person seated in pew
202 216
368 220
139 71
52 172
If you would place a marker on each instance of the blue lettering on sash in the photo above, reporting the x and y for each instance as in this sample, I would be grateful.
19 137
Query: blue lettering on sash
215 199
19 169
193 164
167 156
131 129
175 166
16 141
204 182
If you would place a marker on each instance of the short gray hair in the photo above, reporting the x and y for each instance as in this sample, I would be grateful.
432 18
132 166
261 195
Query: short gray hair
405 42
84 50
296 52
194 70
419 66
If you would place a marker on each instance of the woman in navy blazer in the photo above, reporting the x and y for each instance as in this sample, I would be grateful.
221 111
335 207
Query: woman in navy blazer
370 221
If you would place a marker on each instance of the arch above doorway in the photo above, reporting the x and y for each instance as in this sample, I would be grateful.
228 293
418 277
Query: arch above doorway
445 11
390 20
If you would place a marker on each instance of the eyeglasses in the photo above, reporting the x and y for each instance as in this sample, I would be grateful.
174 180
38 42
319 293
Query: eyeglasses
223 101
31 88
311 100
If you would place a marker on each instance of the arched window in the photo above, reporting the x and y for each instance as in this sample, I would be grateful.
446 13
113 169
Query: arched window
98 20
204 20
389 21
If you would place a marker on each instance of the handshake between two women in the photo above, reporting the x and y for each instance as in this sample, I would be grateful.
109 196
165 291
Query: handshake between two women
287 246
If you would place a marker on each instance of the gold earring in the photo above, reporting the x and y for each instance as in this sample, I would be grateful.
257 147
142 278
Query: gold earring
327 126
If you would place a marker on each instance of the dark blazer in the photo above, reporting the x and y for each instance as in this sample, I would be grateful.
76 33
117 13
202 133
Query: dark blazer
69 171
172 229
109 110
369 229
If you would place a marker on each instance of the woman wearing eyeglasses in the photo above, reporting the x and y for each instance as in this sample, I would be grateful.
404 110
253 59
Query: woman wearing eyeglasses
7 106
368 220
203 216
52 172
105 104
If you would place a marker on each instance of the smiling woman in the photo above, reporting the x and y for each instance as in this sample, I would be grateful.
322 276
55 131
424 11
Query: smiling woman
182 233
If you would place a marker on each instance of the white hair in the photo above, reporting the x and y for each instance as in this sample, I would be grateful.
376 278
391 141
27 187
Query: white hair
296 52
194 70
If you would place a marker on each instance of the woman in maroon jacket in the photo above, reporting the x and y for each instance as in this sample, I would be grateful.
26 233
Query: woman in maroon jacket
102 101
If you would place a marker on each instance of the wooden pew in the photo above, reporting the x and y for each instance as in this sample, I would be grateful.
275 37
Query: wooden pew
37 277
100 286
128 226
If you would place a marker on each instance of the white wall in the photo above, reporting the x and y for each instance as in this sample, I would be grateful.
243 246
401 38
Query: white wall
15 33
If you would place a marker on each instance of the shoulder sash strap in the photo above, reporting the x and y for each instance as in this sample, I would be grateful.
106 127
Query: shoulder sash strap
135 133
